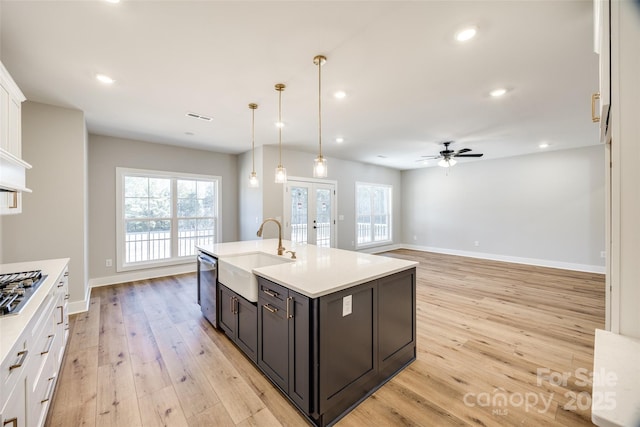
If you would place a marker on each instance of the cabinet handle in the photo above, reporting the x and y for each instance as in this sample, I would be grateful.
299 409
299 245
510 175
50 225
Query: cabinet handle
66 297
22 357
13 421
289 311
61 315
49 390
594 98
236 306
49 346
268 307
66 274
270 292
14 200
60 284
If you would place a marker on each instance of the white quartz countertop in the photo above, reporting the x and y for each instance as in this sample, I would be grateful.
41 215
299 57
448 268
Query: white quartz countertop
316 271
616 380
12 326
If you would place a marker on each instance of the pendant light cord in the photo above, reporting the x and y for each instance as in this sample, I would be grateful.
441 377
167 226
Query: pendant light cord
253 147
280 126
320 106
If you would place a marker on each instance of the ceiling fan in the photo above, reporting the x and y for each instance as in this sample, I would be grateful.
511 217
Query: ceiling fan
447 156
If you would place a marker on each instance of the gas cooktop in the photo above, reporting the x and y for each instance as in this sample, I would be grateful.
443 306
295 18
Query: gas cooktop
16 289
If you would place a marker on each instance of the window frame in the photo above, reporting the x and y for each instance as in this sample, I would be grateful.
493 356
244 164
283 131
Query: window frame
121 173
374 243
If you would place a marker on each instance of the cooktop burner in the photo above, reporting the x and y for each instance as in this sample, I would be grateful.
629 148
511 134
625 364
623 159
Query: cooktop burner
16 289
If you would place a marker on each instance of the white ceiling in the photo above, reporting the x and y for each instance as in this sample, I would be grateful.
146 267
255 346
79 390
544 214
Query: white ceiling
409 84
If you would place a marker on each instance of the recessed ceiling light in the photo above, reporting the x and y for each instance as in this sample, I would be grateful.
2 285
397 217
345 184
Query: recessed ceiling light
279 124
380 156
340 94
466 34
496 93
543 144
103 78
112 1
339 140
189 133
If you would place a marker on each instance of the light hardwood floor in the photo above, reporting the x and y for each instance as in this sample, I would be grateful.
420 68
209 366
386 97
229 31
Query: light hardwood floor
498 344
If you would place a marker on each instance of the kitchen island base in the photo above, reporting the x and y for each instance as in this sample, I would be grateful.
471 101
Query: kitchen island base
330 353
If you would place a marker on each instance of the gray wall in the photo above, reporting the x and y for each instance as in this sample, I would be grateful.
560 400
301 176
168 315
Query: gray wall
345 172
53 221
107 153
249 199
546 206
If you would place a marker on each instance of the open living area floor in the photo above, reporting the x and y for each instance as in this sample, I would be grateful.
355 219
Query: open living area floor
499 344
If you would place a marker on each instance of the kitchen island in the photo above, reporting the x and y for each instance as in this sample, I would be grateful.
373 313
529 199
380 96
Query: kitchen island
328 328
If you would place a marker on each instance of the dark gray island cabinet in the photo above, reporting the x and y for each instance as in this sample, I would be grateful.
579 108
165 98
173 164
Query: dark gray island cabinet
329 353
328 329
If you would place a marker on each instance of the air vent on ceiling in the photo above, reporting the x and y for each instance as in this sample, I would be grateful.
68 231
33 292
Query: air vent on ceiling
198 116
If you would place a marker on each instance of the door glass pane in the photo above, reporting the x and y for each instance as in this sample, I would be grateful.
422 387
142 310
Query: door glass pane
323 217
299 214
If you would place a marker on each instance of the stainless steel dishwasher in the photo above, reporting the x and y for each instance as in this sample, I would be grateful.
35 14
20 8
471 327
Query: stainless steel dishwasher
207 279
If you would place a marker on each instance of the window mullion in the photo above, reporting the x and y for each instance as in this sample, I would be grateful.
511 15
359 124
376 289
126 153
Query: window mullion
174 218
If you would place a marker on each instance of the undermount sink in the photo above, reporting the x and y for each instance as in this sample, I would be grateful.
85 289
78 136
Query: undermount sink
236 272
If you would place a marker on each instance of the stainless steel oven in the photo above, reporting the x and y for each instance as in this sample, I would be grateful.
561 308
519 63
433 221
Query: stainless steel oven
207 279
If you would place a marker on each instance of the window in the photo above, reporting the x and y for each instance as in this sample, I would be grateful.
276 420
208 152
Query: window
161 216
373 214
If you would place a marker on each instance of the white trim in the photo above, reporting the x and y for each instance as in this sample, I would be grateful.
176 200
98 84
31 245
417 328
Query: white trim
83 305
514 259
381 248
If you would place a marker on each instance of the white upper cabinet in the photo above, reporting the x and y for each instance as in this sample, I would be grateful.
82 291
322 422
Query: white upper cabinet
12 167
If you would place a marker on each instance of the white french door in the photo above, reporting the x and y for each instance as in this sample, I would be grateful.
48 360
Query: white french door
310 212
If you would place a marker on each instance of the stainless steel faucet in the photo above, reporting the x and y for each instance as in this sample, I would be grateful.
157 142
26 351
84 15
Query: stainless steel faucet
259 233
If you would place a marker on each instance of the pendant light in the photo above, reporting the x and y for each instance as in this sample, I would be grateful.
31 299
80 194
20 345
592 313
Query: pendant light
253 178
281 172
320 163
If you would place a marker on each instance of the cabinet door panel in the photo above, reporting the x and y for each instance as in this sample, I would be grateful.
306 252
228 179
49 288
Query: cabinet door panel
274 344
227 316
247 328
299 351
348 343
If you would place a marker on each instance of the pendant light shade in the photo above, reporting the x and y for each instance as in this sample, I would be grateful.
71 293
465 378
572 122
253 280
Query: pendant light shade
253 177
320 163
281 172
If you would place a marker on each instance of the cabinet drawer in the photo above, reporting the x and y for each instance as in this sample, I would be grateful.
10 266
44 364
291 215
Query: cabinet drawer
272 293
12 368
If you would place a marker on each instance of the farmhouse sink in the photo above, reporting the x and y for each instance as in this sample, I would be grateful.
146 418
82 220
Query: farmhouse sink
236 271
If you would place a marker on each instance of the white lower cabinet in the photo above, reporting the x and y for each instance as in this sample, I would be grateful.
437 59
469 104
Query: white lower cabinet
30 371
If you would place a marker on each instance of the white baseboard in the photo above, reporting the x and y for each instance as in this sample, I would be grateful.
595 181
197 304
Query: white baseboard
83 305
517 260
380 249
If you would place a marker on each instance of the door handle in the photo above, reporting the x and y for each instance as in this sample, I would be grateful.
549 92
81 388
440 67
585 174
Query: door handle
594 98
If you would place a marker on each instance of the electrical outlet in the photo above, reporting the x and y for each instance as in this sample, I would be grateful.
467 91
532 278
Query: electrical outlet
352 243
603 254
415 237
476 243
108 263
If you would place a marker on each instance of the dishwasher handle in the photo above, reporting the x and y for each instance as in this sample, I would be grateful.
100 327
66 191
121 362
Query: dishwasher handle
204 259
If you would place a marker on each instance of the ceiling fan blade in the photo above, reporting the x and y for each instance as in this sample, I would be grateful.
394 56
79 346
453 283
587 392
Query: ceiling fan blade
468 155
464 150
